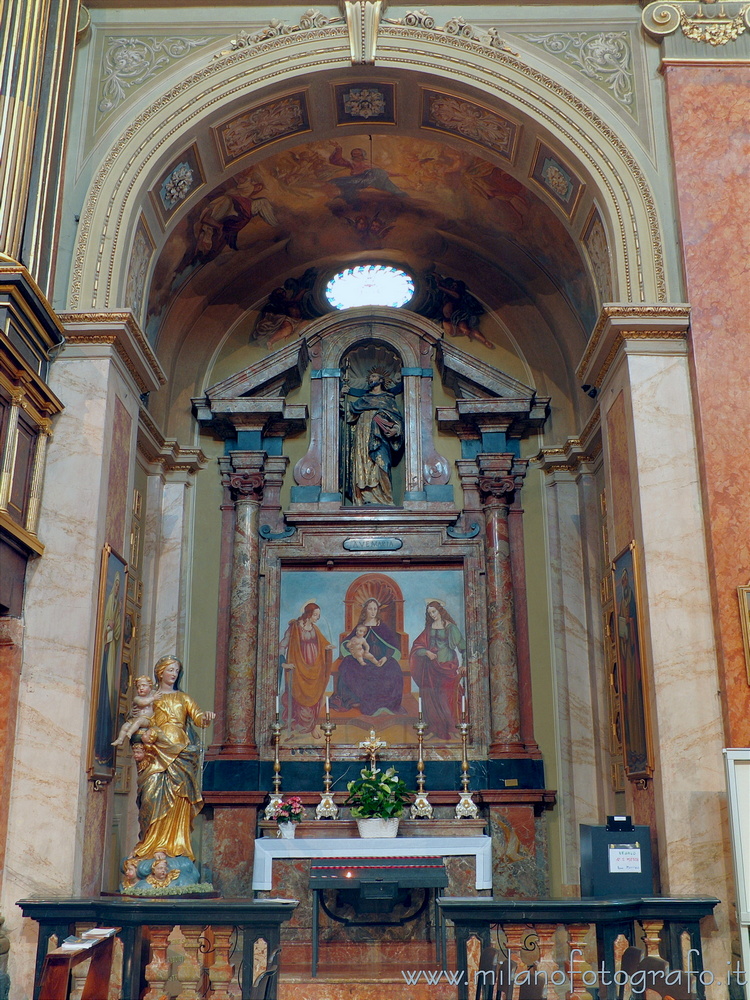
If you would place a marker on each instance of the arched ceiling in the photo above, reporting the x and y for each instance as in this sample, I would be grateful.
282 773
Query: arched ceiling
370 165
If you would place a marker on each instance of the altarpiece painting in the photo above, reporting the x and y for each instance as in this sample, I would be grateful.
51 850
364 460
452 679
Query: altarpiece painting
371 645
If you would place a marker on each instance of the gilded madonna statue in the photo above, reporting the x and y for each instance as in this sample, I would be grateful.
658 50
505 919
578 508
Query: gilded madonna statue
168 760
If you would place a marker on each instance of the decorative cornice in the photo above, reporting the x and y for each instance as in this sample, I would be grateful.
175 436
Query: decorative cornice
618 323
166 454
571 457
121 331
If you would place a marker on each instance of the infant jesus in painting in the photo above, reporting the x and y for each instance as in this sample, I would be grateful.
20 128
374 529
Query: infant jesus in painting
359 647
141 711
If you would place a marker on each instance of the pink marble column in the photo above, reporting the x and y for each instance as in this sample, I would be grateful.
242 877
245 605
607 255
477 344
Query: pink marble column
246 485
497 488
521 616
709 108
226 572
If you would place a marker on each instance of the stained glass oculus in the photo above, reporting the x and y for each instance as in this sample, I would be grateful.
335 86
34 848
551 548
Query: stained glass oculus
370 285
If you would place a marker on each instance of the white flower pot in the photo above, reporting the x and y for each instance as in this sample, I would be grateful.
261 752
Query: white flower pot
376 827
287 830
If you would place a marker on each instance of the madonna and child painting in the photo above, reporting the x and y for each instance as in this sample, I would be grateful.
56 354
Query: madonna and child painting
370 646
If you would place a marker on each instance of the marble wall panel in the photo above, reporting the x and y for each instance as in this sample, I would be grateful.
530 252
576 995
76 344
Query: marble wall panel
709 107
11 647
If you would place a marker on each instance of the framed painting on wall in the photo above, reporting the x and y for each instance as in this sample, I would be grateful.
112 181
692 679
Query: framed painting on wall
636 728
376 645
108 648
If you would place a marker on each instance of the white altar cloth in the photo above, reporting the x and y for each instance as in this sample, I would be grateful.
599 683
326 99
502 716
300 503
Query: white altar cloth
269 848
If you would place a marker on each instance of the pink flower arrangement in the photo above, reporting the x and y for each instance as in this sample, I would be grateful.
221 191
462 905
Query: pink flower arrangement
289 810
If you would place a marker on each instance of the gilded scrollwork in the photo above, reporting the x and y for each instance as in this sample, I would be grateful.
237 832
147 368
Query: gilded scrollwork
720 28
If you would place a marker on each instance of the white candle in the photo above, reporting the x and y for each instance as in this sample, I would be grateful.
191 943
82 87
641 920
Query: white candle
328 707
420 705
277 706
463 705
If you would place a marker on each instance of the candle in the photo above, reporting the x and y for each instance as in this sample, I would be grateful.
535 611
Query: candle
277 706
328 707
420 705
463 705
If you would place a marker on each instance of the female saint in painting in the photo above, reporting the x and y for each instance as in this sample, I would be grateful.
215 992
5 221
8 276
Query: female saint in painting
307 665
169 768
435 663
373 682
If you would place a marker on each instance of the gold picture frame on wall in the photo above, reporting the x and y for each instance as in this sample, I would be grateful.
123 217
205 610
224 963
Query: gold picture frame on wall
632 676
743 596
108 648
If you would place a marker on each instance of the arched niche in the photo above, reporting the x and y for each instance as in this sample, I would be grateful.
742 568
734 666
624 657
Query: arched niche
491 408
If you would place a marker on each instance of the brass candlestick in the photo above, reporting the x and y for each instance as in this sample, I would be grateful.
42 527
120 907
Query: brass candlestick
276 795
421 807
466 807
327 808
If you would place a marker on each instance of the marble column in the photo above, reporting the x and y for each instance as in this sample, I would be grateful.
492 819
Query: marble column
246 485
497 487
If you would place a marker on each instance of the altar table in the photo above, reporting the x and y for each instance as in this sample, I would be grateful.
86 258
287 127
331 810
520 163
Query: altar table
267 849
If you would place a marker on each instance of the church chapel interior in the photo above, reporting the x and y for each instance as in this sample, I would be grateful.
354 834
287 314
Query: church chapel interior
373 399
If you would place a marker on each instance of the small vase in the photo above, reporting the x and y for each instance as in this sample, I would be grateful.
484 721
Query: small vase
287 831
375 827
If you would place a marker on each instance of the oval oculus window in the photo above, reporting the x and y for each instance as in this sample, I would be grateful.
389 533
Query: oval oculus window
370 285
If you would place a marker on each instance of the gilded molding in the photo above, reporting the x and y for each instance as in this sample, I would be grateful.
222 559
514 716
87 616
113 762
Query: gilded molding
120 330
662 19
674 317
572 457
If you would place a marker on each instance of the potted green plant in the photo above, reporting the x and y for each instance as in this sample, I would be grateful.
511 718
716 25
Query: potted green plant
377 799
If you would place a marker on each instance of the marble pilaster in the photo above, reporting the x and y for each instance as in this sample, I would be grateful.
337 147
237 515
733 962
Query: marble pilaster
647 360
56 825
497 487
708 107
580 703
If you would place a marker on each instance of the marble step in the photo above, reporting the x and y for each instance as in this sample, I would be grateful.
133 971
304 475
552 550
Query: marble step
355 988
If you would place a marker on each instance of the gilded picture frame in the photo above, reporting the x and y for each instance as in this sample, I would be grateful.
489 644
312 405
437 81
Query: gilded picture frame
632 676
108 649
743 596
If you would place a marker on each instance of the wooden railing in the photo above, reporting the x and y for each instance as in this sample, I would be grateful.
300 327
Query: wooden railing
561 949
224 930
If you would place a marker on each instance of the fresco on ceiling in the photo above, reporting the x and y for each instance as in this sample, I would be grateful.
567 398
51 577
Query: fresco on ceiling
445 300
418 198
449 113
